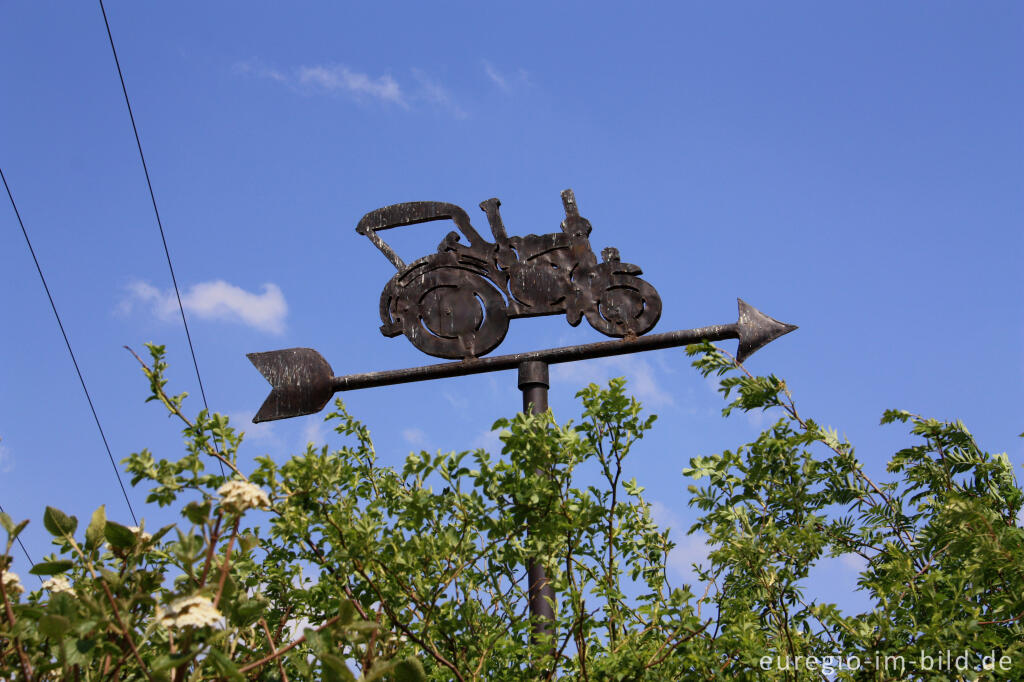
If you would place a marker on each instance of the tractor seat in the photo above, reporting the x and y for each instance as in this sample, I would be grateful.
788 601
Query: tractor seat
533 245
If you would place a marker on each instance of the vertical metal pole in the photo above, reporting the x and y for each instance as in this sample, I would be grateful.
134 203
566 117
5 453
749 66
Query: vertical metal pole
534 383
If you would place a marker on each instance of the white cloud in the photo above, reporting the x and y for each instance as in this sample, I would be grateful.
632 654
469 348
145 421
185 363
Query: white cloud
664 516
242 421
758 419
342 79
641 376
313 432
458 402
853 562
489 441
6 460
505 82
216 300
253 67
338 77
332 78
414 437
433 92
690 550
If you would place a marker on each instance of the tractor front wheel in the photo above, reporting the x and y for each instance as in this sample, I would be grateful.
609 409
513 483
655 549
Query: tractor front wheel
621 304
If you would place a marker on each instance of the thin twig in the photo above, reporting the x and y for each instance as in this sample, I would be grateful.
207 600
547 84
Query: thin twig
226 565
654 660
1002 622
273 649
26 668
162 395
214 536
266 659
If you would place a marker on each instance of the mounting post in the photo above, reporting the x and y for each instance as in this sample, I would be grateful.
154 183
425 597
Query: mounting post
534 383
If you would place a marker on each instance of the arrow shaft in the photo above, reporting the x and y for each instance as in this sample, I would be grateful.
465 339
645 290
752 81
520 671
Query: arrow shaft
588 351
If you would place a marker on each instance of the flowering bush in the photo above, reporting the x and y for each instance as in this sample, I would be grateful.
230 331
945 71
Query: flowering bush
331 566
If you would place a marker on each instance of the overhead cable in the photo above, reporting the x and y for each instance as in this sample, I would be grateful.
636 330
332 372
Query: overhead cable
32 563
156 211
67 343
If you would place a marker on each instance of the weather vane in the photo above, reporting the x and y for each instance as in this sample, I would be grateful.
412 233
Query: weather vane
457 303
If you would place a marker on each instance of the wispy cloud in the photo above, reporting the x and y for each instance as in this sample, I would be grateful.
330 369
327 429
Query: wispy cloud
432 92
314 431
506 82
641 375
216 300
489 441
460 403
6 460
689 549
415 437
262 432
340 78
329 78
253 68
664 516
853 562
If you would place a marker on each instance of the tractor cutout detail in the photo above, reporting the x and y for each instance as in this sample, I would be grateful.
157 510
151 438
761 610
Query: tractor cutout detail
456 303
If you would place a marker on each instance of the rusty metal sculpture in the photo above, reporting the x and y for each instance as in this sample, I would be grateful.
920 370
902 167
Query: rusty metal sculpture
456 303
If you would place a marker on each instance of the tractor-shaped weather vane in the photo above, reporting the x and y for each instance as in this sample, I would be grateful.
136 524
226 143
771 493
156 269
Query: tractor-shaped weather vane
456 303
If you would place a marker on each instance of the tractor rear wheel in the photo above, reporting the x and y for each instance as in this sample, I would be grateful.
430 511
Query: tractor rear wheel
453 313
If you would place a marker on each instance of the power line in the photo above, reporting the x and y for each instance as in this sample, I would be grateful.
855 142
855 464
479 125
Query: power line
156 211
67 343
20 542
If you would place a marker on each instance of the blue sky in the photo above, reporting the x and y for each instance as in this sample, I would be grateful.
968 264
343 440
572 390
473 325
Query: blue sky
855 169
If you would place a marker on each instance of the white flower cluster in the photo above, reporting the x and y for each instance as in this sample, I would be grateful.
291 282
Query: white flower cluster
58 584
237 496
194 612
143 536
12 584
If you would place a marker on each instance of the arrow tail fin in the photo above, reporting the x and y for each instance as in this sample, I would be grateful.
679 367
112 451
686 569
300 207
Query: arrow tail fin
301 382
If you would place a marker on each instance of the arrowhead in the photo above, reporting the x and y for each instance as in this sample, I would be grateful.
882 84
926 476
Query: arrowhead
757 329
301 380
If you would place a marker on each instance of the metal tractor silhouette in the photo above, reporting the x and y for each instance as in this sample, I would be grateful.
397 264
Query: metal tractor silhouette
456 303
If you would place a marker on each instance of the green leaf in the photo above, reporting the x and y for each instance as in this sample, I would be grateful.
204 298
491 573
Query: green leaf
51 567
58 523
6 522
17 530
335 669
248 541
113 578
168 661
54 626
346 613
78 654
94 532
197 512
119 537
409 670
250 610
224 665
160 533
